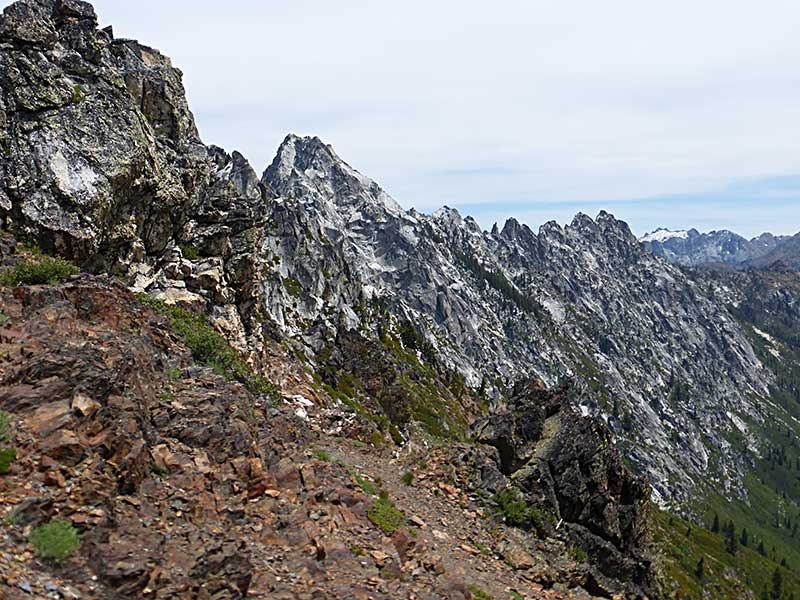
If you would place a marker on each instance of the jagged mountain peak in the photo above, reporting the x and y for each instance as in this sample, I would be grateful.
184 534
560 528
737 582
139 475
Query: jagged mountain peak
447 214
510 228
307 168
582 221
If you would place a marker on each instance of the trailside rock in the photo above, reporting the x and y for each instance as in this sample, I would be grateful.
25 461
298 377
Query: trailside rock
566 466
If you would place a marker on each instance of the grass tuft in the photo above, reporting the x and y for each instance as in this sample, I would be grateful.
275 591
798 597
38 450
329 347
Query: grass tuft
385 514
518 513
7 456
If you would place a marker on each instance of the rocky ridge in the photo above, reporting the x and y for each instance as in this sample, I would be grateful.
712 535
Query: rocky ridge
481 298
183 483
103 165
692 248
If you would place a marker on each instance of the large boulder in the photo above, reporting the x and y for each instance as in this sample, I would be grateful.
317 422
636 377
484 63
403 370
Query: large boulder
567 466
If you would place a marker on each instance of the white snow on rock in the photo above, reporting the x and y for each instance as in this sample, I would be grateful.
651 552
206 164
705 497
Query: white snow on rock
662 235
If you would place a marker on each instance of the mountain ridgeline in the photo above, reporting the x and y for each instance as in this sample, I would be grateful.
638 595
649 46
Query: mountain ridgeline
420 324
723 249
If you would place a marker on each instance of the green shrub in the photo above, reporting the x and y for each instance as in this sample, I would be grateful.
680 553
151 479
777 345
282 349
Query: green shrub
385 515
478 594
189 252
366 485
55 541
395 434
7 456
6 432
322 455
408 478
39 270
210 348
294 287
578 554
518 513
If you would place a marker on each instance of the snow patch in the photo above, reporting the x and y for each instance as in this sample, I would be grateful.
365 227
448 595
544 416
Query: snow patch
662 235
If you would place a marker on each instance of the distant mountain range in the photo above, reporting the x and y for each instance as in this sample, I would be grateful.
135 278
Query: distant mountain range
723 248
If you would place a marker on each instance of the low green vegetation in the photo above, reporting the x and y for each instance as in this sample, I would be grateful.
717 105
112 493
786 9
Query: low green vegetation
385 514
36 271
324 456
499 282
6 431
294 287
518 513
408 478
478 594
7 455
56 540
210 348
696 560
365 484
189 252
78 93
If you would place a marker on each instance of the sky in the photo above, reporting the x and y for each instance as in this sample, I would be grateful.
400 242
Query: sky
667 114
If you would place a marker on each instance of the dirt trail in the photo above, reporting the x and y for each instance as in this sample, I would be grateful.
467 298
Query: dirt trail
448 521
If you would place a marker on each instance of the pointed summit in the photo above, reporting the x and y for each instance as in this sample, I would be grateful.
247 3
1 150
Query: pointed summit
307 169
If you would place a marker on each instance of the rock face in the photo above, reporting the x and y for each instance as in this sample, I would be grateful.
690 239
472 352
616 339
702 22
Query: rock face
692 248
566 465
102 163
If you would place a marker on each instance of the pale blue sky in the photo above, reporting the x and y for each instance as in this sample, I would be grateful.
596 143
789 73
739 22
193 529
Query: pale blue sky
673 114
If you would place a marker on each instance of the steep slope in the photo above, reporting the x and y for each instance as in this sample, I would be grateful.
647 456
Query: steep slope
180 478
692 248
133 423
584 300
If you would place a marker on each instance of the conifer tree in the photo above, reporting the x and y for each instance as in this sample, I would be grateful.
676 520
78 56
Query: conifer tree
731 544
777 584
700 569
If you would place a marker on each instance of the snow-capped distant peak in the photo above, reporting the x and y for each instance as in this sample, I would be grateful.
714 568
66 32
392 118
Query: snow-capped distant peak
662 235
